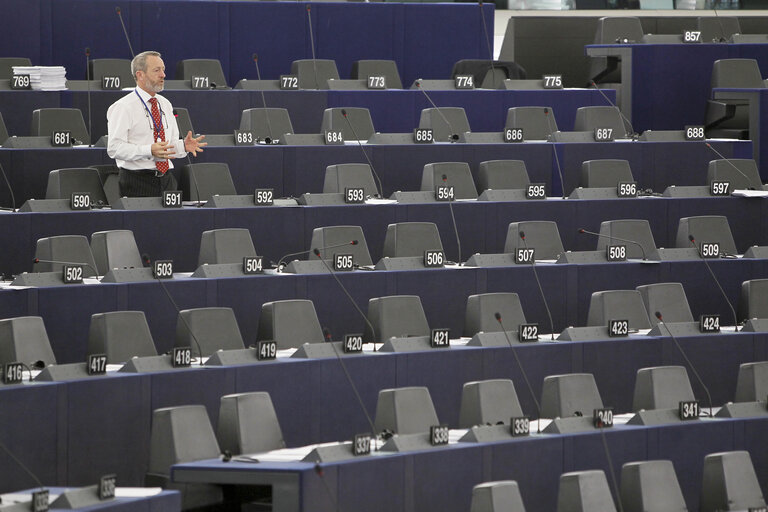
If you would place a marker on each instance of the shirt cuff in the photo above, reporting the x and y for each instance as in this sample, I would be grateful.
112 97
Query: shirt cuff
146 150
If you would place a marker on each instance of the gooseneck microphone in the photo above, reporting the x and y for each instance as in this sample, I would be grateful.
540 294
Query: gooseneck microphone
378 180
722 37
701 256
271 137
88 85
633 133
497 315
583 231
454 137
312 42
541 290
77 263
10 189
327 333
453 219
145 258
22 465
487 40
554 151
688 361
128 39
731 164
334 246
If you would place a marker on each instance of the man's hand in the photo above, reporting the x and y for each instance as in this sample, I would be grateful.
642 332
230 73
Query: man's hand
163 150
193 144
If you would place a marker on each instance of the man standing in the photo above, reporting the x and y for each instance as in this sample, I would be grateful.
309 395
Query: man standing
143 134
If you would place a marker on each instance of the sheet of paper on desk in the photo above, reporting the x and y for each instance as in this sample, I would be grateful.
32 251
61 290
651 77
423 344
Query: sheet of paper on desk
137 492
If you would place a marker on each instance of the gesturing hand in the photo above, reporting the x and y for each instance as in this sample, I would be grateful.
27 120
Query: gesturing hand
193 145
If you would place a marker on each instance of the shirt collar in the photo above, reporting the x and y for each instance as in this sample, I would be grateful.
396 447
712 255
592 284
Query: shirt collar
144 95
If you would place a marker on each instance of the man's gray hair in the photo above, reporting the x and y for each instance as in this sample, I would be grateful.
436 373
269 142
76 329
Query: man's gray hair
139 62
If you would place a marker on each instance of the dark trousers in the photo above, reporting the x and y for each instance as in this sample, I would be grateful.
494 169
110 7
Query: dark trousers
145 183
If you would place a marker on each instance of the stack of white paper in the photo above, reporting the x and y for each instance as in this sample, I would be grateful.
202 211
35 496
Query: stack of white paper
44 78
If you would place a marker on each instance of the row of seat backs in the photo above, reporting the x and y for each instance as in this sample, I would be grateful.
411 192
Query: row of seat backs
729 482
613 29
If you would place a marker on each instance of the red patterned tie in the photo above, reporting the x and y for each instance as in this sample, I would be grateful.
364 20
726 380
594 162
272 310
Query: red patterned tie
162 166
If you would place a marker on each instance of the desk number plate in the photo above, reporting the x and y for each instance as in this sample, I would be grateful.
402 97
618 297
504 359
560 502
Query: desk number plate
289 82
110 83
445 193
107 485
253 265
464 82
602 418
354 195
513 135
200 82
618 328
61 139
181 357
72 274
244 138
333 138
96 364
689 409
519 426
80 201
626 189
528 333
423 136
692 36
603 134
264 197
536 191
353 343
172 199
376 82
266 350
552 81
361 445
709 323
720 188
438 434
21 82
40 501
343 262
616 252
710 250
440 338
694 132
12 373
162 269
434 259
525 256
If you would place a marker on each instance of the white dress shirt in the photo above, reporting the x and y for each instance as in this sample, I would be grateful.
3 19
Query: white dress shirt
131 131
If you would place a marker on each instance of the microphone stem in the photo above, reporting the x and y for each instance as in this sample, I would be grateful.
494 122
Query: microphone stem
541 290
522 372
727 301
264 102
454 136
354 132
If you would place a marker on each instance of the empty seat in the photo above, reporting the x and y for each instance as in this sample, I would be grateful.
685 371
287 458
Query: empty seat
115 249
227 245
406 239
501 496
502 175
266 123
669 299
717 28
447 123
605 173
611 30
357 126
540 235
120 335
45 121
362 69
589 118
186 69
7 64
334 235
212 329
25 340
3 130
450 174
405 410
754 299
752 383
290 323
396 316
583 491
199 182
651 486
488 74
608 305
482 308
342 176
661 387
183 121
726 117
182 434
569 395
314 73
62 183
741 173
64 248
538 123
248 424
488 402
120 68
706 229
729 483
637 230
